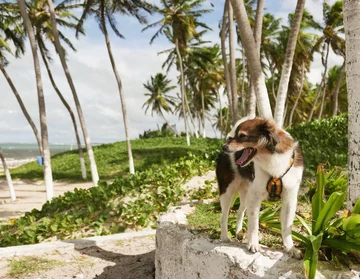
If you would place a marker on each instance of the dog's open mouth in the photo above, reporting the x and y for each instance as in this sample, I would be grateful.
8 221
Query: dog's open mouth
246 156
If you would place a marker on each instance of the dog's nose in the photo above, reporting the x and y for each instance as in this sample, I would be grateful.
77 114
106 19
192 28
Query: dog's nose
225 147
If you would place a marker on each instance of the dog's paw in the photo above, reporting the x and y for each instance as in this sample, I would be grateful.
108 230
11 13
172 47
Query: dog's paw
240 235
254 247
294 253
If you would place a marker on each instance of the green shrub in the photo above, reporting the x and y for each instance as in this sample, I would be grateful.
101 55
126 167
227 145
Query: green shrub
323 141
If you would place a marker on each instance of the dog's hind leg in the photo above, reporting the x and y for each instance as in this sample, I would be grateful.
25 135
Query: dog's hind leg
226 200
241 212
288 210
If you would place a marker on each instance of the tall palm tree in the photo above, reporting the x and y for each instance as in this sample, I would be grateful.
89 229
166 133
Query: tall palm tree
331 38
352 35
287 66
11 30
335 95
43 123
8 176
181 19
248 42
60 51
41 21
104 11
159 100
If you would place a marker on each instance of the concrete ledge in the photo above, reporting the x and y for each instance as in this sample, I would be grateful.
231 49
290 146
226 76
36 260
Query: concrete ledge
71 244
181 254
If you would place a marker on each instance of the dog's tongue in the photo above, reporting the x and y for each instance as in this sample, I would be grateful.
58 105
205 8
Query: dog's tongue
244 156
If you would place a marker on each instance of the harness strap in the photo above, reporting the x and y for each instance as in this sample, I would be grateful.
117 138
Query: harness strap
275 185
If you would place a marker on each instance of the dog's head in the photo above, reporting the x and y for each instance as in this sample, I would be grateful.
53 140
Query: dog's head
252 136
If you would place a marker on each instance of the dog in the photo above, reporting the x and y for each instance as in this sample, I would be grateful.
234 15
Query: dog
259 161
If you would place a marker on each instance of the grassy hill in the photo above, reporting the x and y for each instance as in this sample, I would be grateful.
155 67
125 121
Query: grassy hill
112 160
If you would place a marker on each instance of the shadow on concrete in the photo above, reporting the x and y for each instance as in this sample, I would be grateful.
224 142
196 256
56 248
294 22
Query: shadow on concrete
139 266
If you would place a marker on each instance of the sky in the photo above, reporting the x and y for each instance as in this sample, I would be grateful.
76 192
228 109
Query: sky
94 80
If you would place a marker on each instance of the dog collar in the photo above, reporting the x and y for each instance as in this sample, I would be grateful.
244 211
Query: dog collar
275 185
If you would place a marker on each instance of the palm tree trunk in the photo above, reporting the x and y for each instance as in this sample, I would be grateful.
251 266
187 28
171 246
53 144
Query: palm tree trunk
322 101
203 114
256 74
23 109
93 167
42 111
298 95
190 116
322 85
288 62
65 103
337 89
122 97
234 94
223 54
167 122
243 82
352 31
8 177
182 89
221 116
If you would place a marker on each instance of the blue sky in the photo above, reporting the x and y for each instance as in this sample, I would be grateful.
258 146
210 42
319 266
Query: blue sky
90 67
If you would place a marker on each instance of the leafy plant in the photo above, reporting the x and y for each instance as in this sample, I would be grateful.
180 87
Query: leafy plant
323 141
330 233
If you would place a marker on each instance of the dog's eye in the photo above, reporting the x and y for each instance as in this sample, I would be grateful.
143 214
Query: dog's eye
241 136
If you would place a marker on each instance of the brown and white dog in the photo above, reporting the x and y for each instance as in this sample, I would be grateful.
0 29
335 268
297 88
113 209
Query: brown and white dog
256 147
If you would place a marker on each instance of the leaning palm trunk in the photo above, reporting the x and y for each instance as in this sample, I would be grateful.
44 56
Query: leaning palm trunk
288 62
352 35
203 114
167 122
243 82
223 54
23 109
44 132
122 97
8 176
248 41
93 168
322 102
322 85
191 116
299 94
337 89
182 90
72 116
234 95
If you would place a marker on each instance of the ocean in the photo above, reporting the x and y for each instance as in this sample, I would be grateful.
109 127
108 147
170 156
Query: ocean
20 151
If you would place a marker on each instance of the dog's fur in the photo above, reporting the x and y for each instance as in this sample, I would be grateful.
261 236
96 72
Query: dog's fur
270 150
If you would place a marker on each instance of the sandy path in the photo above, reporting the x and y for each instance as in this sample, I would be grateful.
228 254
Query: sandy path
30 194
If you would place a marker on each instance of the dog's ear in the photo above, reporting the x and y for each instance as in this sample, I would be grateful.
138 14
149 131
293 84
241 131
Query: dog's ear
268 130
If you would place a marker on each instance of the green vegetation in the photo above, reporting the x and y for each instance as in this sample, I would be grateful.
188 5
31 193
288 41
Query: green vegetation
112 160
129 202
30 264
323 141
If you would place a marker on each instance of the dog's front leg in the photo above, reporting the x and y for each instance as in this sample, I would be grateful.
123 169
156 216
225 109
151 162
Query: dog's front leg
288 210
253 207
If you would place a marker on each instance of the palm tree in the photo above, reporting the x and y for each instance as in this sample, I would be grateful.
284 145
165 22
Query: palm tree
40 19
248 42
8 177
11 30
331 38
104 11
43 124
352 33
180 19
337 89
159 100
287 66
60 51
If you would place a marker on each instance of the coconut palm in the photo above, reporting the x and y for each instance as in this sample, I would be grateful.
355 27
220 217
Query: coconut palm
181 19
41 21
331 38
159 101
352 31
11 30
43 123
104 11
60 51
